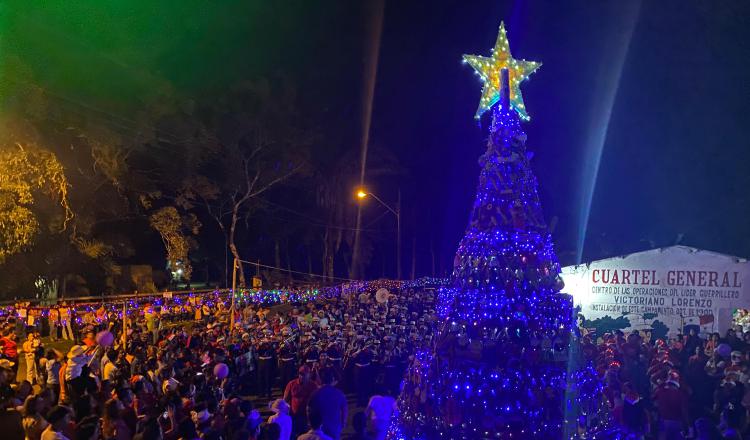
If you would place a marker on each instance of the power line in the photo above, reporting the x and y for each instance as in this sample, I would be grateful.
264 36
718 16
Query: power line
321 222
295 271
320 225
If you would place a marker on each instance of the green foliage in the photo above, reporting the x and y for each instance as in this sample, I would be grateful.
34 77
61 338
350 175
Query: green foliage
607 324
171 226
659 330
24 171
137 132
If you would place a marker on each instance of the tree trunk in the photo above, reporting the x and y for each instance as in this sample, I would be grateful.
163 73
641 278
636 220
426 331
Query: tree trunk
240 271
233 247
326 274
331 272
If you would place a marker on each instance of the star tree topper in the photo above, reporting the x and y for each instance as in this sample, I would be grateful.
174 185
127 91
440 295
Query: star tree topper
488 68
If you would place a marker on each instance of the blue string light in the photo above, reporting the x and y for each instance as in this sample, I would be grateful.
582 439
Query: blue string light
505 364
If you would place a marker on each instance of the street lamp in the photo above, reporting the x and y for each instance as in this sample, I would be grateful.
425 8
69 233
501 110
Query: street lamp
362 194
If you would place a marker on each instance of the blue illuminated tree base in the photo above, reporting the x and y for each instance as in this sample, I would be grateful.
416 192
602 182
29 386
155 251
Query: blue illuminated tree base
533 399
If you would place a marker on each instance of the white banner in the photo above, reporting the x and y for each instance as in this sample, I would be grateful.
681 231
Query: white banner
661 290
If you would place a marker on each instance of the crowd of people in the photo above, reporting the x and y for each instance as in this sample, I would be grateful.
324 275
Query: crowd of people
196 374
685 387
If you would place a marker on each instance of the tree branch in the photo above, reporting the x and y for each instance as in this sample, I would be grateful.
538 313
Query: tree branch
275 181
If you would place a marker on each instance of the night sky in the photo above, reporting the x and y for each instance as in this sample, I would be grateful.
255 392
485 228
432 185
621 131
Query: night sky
663 86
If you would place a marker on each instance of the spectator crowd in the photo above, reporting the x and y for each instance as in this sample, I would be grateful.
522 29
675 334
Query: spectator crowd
328 368
685 387
202 373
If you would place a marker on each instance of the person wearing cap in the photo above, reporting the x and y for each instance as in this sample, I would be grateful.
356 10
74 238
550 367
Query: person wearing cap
671 402
297 393
266 368
287 362
631 412
362 374
312 355
391 372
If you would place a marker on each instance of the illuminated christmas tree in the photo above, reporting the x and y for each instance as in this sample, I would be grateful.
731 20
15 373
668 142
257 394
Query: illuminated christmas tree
505 364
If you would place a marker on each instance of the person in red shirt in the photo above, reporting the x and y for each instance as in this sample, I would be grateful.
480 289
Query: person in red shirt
297 393
10 348
672 403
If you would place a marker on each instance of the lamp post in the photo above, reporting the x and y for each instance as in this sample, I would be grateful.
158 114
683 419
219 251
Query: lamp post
363 194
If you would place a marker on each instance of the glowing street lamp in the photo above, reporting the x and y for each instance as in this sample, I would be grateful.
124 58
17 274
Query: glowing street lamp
361 195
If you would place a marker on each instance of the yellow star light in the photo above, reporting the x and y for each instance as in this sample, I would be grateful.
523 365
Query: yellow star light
488 68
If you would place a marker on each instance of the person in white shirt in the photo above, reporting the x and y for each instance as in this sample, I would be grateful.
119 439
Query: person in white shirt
282 418
109 369
29 351
77 358
53 366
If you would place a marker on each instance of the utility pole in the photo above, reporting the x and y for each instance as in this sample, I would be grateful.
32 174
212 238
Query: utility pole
413 257
234 294
398 239
125 326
